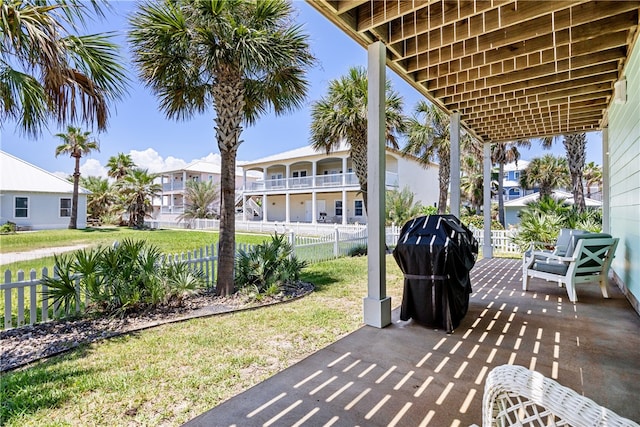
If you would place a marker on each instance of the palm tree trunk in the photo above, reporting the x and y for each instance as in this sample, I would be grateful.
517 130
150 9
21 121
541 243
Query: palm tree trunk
444 177
228 96
73 221
359 158
575 146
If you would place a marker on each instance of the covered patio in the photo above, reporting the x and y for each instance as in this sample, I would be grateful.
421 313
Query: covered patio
410 375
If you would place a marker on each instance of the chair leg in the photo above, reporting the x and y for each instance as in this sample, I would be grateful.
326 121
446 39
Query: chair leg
603 287
525 280
571 292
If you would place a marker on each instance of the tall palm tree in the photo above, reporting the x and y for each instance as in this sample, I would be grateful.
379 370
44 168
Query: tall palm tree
119 165
76 143
199 199
503 153
138 188
547 173
471 182
592 175
49 72
429 139
576 148
341 116
101 198
240 57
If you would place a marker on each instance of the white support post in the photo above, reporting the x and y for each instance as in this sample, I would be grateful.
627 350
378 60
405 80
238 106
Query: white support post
344 207
377 306
314 208
287 207
455 164
264 208
487 247
606 206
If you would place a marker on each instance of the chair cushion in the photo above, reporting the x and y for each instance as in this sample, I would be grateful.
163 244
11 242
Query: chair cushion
551 266
585 235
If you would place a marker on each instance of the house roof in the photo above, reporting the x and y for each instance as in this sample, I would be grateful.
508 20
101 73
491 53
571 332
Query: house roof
511 69
19 176
522 165
306 151
557 194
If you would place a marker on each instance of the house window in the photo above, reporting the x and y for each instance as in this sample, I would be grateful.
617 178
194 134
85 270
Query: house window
299 174
516 175
65 207
21 207
338 208
357 208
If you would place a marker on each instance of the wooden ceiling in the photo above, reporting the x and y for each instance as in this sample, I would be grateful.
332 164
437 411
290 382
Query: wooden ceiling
513 69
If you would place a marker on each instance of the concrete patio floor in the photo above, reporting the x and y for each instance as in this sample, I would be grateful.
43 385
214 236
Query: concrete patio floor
410 375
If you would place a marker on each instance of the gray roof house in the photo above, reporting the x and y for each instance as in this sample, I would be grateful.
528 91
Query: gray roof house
513 207
35 199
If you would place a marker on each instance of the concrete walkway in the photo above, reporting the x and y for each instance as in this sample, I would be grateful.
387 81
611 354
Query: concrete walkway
410 375
10 257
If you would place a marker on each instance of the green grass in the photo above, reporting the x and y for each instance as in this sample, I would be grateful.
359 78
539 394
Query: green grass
170 374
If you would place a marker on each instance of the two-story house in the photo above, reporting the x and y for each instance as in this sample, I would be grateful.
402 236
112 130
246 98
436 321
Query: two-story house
511 180
304 185
171 202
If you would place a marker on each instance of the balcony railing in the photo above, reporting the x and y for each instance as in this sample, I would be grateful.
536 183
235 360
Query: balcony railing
167 186
172 209
338 180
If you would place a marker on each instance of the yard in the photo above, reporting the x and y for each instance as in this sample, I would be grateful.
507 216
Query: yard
170 374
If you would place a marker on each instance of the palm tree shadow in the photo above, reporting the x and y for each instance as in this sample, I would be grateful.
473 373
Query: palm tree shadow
320 279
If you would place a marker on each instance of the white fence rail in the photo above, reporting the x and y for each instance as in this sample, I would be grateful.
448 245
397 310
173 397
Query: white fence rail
25 301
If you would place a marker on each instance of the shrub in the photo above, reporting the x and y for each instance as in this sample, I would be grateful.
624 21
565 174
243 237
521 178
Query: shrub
269 267
8 227
360 250
128 276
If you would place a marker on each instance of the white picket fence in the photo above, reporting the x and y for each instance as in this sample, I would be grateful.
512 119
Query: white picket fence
337 243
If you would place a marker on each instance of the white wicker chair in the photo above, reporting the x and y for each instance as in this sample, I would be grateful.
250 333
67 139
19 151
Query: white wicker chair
516 396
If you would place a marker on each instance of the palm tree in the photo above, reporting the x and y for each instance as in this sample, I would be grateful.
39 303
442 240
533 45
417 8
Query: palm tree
120 165
341 116
576 148
592 175
399 206
101 199
138 188
547 173
428 139
49 72
200 197
76 143
471 182
503 153
240 57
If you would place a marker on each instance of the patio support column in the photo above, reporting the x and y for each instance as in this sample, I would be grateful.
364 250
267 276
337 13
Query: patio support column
377 306
314 208
344 207
455 164
344 171
487 247
286 176
264 208
244 207
287 207
244 179
606 213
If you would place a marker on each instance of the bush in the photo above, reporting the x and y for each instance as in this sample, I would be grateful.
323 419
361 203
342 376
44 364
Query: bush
129 276
268 268
360 250
477 221
8 227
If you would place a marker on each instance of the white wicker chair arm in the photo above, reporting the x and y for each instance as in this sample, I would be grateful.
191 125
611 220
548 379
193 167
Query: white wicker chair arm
516 396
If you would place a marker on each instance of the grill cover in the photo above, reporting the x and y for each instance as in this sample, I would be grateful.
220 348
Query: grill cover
436 253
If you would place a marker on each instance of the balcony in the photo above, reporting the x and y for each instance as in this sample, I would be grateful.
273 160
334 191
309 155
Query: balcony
176 186
176 209
337 181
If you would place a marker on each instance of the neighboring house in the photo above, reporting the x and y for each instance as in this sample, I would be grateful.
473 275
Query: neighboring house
511 180
35 199
513 207
171 202
304 185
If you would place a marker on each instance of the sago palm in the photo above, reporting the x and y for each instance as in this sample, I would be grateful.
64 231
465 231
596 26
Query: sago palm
341 117
76 143
200 197
101 198
47 71
239 57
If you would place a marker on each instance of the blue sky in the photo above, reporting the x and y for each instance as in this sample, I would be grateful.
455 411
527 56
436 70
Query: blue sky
137 127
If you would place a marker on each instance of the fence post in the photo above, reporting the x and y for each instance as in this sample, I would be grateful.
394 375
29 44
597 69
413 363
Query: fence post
336 249
292 242
7 301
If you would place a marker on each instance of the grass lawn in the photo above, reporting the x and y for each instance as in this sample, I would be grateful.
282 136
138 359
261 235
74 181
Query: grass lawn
170 374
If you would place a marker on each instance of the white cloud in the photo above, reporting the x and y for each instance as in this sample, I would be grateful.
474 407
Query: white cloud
63 175
92 167
150 159
211 158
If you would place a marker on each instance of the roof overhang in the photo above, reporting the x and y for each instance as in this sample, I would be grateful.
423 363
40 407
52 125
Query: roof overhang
513 69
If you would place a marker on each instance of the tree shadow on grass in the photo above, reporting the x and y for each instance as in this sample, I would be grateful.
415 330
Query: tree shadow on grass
47 384
99 230
320 279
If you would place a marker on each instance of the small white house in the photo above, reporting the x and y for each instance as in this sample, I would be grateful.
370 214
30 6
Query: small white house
513 207
35 199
